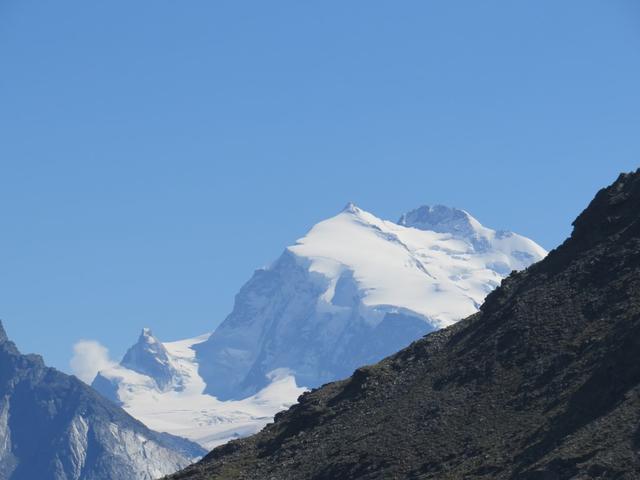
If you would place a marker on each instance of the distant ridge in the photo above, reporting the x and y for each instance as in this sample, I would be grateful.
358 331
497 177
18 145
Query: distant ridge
54 427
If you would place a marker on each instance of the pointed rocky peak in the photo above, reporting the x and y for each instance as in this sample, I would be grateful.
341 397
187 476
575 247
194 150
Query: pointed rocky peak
351 208
354 212
150 357
146 337
441 219
147 342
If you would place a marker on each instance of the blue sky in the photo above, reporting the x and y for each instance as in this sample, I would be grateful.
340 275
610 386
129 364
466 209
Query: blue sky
154 153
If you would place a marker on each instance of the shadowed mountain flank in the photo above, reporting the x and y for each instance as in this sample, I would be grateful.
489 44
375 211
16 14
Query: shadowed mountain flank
54 427
542 384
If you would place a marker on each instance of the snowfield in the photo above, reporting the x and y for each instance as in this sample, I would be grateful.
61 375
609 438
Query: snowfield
442 276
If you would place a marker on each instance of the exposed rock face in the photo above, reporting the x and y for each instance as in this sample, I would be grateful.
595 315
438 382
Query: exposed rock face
53 426
542 383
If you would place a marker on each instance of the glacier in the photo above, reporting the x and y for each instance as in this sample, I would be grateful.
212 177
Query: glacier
181 407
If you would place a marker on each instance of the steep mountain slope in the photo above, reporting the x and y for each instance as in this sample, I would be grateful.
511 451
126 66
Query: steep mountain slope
52 426
158 383
353 290
542 383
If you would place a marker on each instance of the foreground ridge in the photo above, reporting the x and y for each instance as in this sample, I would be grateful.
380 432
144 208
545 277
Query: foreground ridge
542 383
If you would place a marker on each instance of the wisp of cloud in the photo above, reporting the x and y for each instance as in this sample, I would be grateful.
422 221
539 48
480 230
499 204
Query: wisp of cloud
89 357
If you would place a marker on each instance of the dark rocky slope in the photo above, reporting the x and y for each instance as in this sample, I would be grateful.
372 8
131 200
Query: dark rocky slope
542 384
54 427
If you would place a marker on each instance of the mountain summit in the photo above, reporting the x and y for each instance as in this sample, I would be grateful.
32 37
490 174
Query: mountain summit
353 290
442 219
150 357
542 383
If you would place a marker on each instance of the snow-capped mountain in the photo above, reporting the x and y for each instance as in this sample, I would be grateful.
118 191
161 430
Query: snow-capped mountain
159 384
352 291
53 426
150 357
355 289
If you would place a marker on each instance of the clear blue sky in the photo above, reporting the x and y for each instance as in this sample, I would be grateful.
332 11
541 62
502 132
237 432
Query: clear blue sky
154 153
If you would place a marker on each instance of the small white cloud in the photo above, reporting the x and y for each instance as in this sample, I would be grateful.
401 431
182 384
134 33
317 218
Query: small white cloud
89 357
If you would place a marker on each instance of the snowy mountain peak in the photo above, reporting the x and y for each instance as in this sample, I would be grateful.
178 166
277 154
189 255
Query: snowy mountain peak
354 289
147 337
441 219
351 208
148 342
150 357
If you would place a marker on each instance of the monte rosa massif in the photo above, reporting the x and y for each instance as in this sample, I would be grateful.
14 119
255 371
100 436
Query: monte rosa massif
352 291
